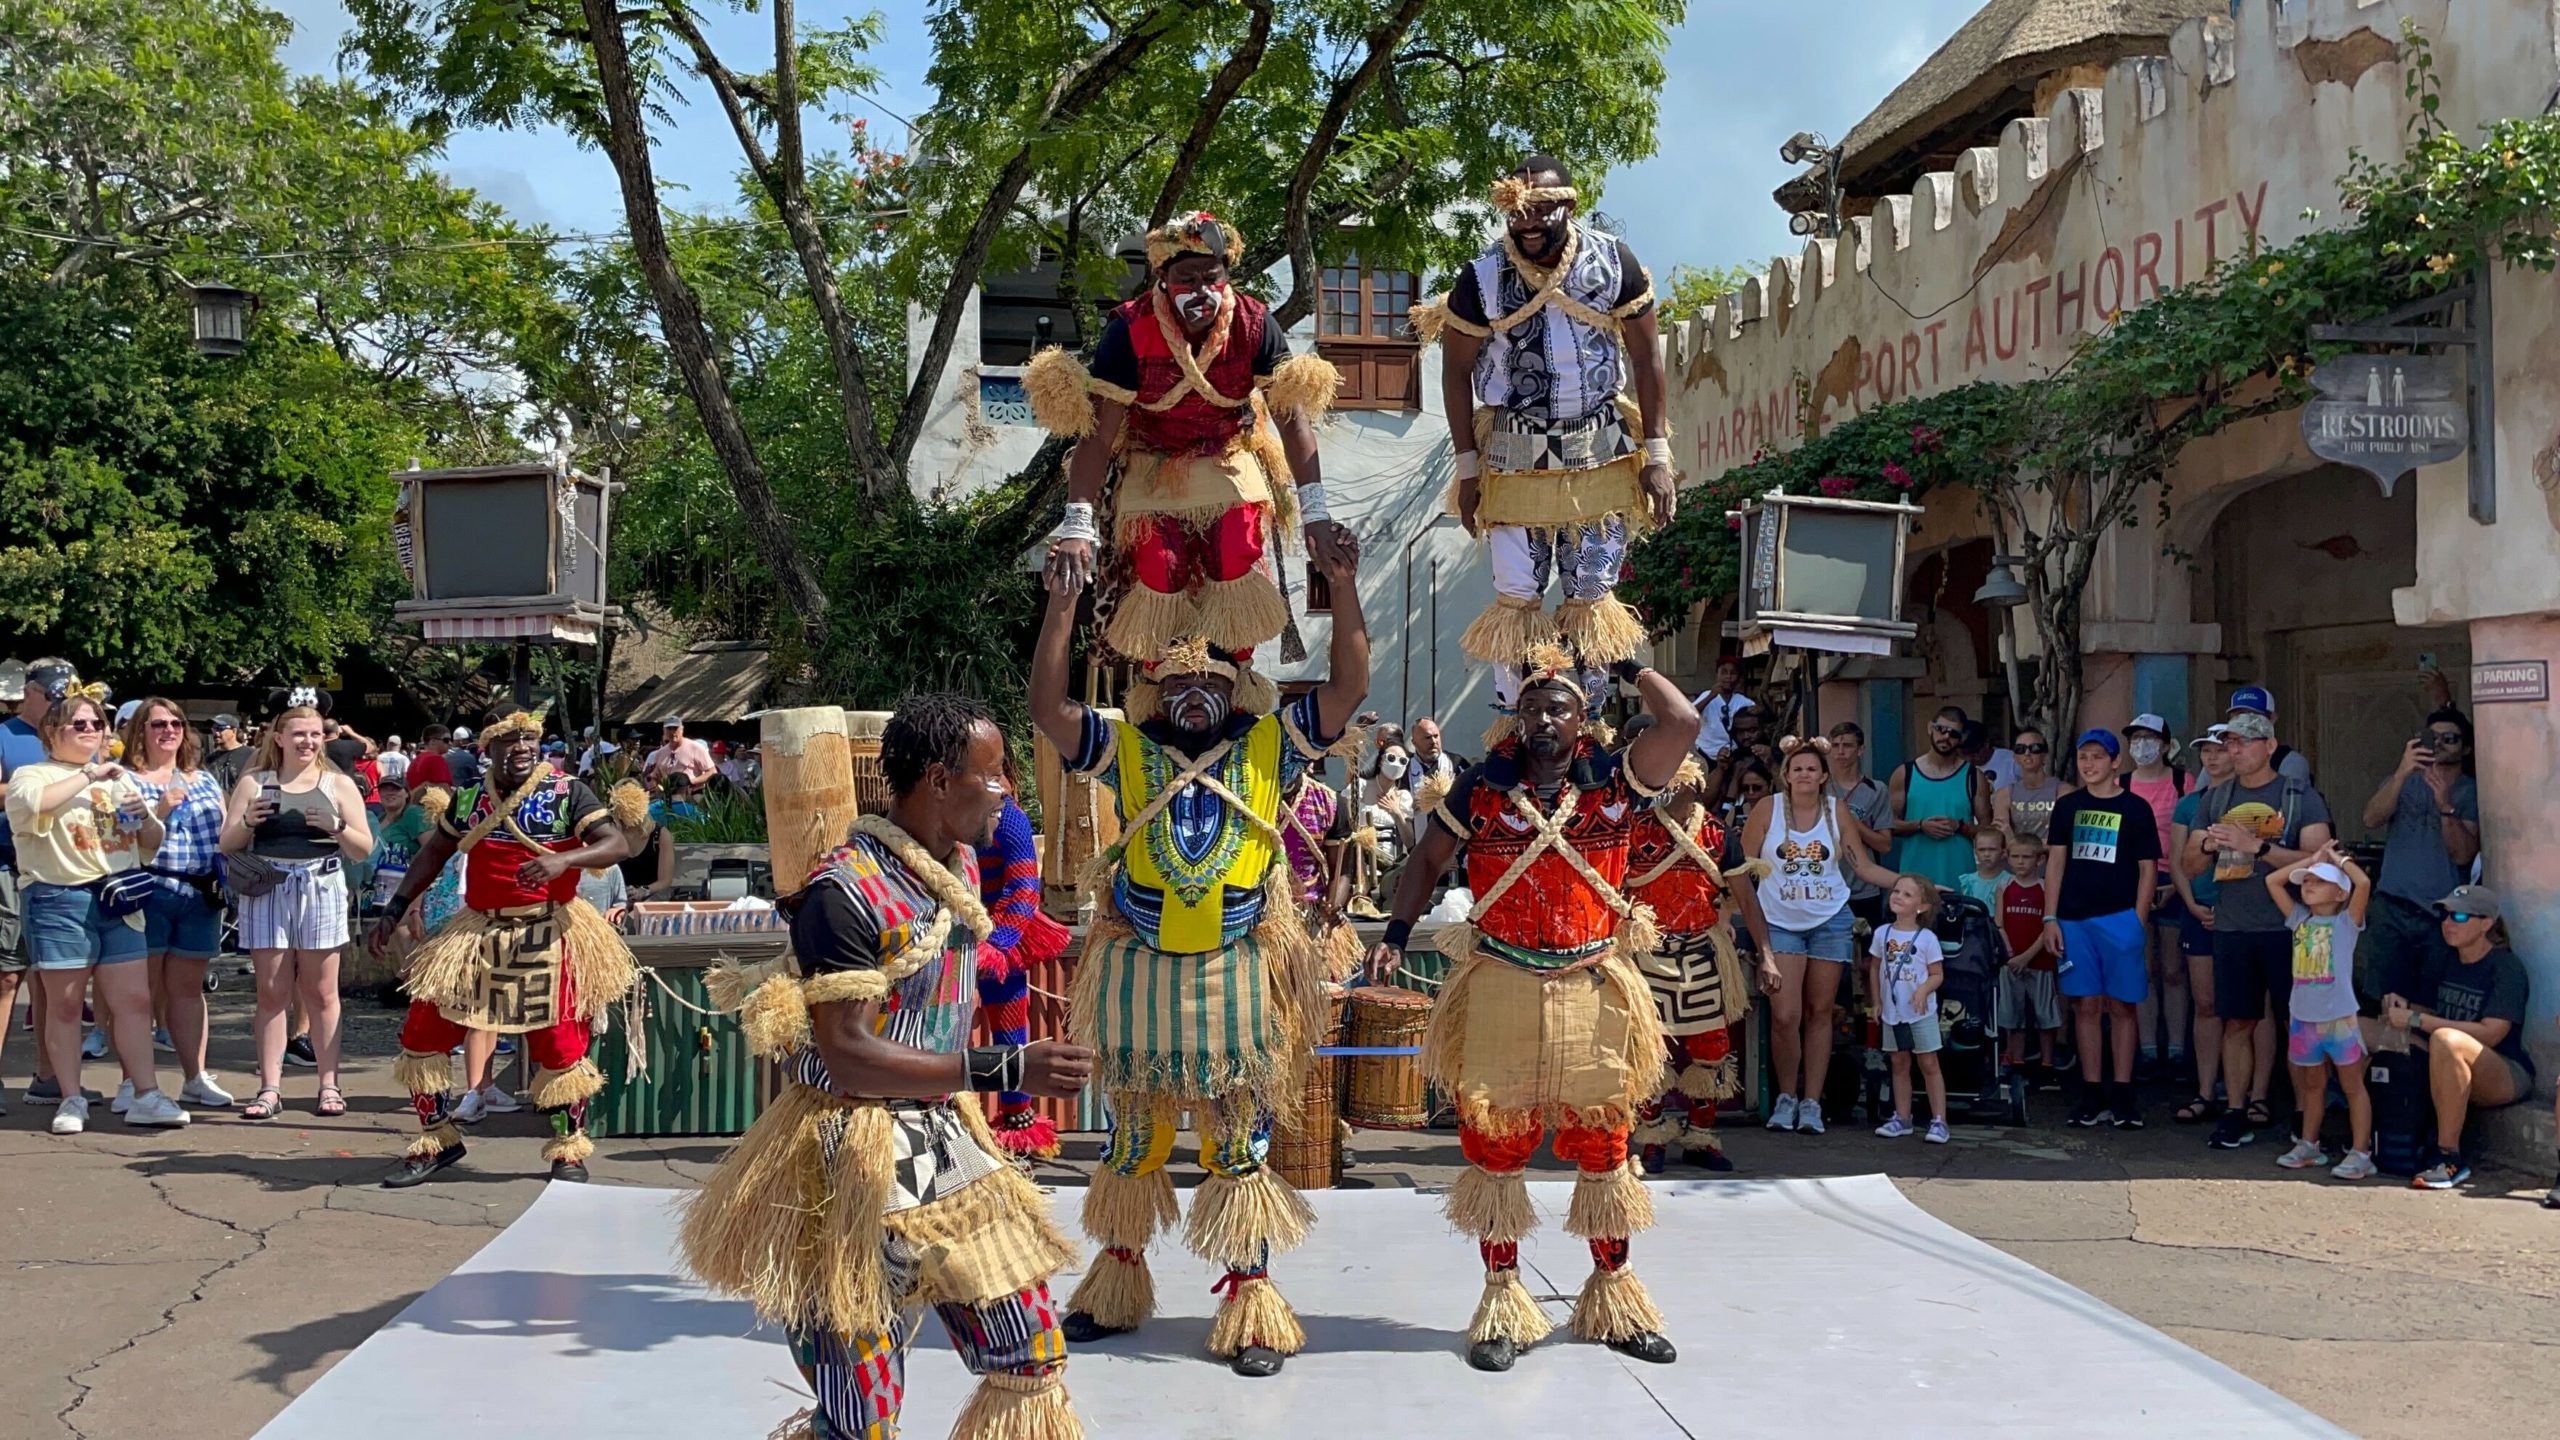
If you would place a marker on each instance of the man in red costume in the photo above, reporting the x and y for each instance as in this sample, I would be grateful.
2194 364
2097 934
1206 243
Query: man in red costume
1203 426
1546 1022
525 956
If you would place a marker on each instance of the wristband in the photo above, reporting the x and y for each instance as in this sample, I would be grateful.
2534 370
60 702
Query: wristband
1628 670
397 906
1077 524
1657 451
995 1067
1466 465
1398 932
1311 506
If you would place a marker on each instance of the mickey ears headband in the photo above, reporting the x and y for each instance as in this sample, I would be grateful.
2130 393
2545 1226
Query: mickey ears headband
1788 747
308 697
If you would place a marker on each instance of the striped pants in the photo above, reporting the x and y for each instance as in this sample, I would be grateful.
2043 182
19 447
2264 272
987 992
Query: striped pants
861 1380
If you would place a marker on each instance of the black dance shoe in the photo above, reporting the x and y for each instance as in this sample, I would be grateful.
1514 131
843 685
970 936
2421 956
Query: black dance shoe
1493 1355
1650 1347
419 1169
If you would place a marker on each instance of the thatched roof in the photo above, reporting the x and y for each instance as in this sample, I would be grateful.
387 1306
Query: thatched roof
658 671
1986 74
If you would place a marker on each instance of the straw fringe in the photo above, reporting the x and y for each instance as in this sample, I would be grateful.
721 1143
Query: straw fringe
1646 1042
1507 1311
1055 384
1238 614
1506 630
553 1089
798 1239
1602 631
1492 1208
571 1149
628 804
601 967
991 1239
1664 1128
1128 1211
1614 1306
1240 1220
1148 621
417 1074
1609 1204
1007 1406
1703 1082
1305 384
433 1142
1255 1313
1117 1293
1340 954
1698 1139
441 969
1565 499
1444 1039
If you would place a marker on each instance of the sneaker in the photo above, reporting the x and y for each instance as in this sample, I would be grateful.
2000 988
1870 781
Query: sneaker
2303 1156
124 1097
2088 1114
1782 1114
205 1091
2125 1108
1808 1117
161 1042
470 1111
71 1116
2359 1166
93 1046
2551 1201
44 1090
506 1044
1894 1128
297 1051
2231 1131
2447 1172
156 1109
495 1099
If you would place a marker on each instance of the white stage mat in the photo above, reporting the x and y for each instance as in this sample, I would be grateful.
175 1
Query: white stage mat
1801 1307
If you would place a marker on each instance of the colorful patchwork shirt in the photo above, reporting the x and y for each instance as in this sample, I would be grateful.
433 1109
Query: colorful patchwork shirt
1551 916
1191 879
560 809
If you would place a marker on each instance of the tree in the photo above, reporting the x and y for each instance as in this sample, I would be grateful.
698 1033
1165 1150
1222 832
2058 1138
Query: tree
1692 288
1058 130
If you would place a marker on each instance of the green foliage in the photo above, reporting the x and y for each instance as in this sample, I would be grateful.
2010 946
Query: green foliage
730 816
1692 288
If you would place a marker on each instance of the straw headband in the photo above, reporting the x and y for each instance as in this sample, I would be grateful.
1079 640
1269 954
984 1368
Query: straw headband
1513 195
1198 233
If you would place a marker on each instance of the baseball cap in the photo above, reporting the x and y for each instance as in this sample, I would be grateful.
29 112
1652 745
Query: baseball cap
226 721
2478 901
2148 721
2254 697
671 722
2213 735
2103 739
2324 871
392 782
124 712
461 733
2249 725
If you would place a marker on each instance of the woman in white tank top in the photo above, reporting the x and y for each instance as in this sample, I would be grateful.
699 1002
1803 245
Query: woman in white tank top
1812 852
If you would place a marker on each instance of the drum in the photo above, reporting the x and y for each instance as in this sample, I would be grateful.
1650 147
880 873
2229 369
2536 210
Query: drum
1309 1154
863 729
1386 1091
809 800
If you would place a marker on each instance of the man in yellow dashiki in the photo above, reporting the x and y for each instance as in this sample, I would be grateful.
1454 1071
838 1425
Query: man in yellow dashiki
1199 986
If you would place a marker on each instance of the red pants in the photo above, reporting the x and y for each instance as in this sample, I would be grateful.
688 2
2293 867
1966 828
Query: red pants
563 1085
1168 555
427 1032
1590 1150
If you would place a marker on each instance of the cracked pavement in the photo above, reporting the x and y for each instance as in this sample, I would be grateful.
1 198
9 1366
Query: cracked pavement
195 1281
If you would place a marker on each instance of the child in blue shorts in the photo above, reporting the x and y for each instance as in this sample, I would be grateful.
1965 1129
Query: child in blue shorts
2323 1035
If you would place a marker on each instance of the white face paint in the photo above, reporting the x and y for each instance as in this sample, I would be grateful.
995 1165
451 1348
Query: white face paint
1184 703
2146 752
1197 304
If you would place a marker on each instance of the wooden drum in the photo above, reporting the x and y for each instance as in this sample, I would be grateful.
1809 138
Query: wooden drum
809 801
1308 1154
1386 1091
863 729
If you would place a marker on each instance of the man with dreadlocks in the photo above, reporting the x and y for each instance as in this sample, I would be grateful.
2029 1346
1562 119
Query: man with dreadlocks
1675 867
525 956
872 1187
1198 984
1545 1021
1538 340
1203 426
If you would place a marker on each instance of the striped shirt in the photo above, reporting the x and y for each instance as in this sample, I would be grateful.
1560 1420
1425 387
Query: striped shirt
192 844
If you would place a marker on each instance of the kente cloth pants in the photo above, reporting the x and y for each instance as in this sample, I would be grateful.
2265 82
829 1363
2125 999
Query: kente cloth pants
564 1079
861 1380
1657 1120
1610 1203
1241 1216
1587 560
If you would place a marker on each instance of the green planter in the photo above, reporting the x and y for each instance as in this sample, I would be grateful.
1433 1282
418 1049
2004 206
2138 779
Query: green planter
700 1080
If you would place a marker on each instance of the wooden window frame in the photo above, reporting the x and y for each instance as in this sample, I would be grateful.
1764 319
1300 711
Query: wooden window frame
1382 346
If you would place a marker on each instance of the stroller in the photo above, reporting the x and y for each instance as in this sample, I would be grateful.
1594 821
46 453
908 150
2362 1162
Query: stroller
1970 937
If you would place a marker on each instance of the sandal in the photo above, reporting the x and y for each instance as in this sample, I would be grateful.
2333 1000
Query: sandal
265 1105
2197 1111
2259 1114
333 1101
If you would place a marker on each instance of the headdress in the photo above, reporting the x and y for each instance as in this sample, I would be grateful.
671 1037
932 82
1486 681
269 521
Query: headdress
1788 747
1513 194
1255 693
1198 233
510 724
1547 662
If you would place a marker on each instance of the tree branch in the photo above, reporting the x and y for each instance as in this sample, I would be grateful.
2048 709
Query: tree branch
1213 108
1381 41
1076 91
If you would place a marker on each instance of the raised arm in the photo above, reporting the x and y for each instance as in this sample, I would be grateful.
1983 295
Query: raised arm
1346 682
1429 861
1057 714
1655 758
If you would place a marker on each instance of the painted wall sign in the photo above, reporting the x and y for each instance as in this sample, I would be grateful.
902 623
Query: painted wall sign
2506 681
2387 414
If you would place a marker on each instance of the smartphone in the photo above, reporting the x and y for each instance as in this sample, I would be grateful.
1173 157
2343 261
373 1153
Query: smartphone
272 793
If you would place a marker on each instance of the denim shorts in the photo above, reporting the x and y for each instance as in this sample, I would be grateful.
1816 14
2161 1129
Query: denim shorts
1834 939
2103 955
67 929
178 922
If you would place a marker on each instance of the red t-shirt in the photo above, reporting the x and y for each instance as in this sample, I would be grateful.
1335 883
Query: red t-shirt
429 770
2022 920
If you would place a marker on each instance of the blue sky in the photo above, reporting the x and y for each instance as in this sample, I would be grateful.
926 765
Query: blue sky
1743 78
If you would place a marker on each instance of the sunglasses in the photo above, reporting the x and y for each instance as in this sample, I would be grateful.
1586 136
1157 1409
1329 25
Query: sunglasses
2033 749
2459 917
1946 730
85 727
168 725
2445 737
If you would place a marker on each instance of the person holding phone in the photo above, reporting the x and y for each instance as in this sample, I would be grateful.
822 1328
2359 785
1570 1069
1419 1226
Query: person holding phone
2431 804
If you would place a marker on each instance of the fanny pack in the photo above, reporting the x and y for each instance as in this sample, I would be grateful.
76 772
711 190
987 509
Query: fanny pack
249 876
203 885
123 893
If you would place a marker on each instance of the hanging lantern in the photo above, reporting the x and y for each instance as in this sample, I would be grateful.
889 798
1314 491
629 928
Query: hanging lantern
222 320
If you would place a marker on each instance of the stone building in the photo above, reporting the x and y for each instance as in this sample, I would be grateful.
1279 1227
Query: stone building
2125 178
